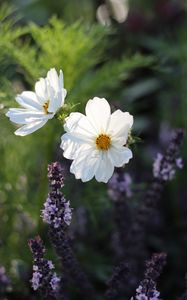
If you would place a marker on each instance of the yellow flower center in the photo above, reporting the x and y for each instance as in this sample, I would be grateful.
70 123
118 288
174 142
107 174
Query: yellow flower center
103 142
45 106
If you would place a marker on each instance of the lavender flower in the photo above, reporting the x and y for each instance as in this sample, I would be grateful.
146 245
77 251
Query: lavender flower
147 209
140 295
55 280
67 213
50 265
133 231
116 282
57 213
120 185
147 289
179 163
56 210
43 278
164 167
36 278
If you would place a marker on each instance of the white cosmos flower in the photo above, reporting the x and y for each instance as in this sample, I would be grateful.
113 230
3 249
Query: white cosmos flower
96 141
39 106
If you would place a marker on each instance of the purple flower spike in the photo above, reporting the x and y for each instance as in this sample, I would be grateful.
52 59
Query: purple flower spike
147 288
164 167
43 279
58 214
119 186
57 211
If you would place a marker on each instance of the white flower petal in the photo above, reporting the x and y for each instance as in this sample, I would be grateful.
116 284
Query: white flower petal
71 141
86 127
29 100
83 167
42 91
56 101
119 155
72 121
120 124
56 90
52 97
75 138
80 128
69 146
105 168
30 128
64 92
21 116
61 81
98 113
37 118
53 78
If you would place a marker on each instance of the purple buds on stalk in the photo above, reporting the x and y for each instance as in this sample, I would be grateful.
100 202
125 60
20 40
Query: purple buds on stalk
57 211
164 167
147 289
43 279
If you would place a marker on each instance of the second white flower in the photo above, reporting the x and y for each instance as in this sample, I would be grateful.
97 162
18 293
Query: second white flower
96 142
39 106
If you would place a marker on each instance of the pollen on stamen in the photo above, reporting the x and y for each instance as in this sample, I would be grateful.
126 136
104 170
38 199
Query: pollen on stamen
45 107
103 142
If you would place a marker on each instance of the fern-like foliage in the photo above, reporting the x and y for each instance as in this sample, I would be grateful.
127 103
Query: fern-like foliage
80 51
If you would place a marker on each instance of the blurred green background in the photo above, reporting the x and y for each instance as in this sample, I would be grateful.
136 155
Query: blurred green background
133 53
